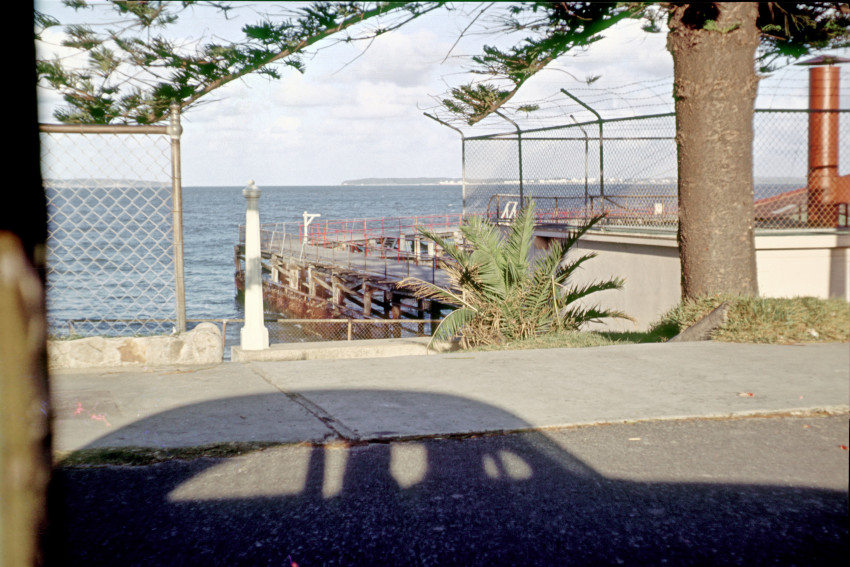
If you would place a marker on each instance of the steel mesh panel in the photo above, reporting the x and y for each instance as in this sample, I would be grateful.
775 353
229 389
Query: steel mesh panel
640 173
320 330
491 169
110 236
560 175
632 175
781 171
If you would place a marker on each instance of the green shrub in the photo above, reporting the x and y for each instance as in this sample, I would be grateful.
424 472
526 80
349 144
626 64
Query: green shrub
505 296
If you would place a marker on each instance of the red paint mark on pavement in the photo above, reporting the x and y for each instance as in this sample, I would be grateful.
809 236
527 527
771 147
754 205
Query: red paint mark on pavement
101 417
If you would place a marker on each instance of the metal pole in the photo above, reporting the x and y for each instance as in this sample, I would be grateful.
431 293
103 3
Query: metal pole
174 131
586 157
601 165
601 154
308 218
463 176
519 151
223 334
462 158
519 157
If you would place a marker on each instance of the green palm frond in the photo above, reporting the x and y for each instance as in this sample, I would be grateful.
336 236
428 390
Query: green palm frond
427 290
488 256
578 316
566 269
502 293
451 249
453 324
518 245
575 293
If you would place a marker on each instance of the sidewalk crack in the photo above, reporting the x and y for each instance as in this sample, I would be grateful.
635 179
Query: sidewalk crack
336 426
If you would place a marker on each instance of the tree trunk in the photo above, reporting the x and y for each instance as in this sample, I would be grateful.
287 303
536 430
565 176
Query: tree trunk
25 426
715 84
25 456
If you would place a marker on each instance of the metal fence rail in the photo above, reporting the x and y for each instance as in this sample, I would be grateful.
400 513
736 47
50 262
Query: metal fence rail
378 259
316 330
380 234
115 263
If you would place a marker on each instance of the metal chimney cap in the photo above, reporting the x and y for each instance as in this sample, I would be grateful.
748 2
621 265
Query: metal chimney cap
825 60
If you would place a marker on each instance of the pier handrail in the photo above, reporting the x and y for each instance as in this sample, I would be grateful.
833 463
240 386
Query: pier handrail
360 232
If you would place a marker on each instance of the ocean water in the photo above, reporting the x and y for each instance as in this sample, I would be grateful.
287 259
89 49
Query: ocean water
98 230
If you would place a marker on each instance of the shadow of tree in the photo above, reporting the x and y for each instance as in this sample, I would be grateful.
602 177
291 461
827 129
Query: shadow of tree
476 500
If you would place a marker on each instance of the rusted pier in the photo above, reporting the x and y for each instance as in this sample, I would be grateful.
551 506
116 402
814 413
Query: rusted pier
349 273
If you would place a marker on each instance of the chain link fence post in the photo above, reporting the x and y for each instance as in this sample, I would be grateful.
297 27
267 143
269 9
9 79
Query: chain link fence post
175 130
114 199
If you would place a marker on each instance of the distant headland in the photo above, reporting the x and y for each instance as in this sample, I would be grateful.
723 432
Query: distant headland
403 181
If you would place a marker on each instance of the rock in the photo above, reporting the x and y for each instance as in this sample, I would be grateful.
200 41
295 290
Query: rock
201 345
702 329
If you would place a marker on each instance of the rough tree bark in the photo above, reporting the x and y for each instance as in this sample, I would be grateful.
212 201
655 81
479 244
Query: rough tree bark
24 420
715 84
25 428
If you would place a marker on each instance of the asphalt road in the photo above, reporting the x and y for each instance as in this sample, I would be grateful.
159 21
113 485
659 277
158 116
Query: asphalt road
751 491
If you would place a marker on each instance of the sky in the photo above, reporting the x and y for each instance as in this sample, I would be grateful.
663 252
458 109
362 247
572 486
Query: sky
358 113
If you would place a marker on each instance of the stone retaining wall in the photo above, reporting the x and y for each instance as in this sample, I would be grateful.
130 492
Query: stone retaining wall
201 345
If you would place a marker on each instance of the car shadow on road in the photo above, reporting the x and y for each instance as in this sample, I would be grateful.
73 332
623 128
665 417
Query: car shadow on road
518 499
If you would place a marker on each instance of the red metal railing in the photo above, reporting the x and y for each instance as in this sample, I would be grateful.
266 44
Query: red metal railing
376 235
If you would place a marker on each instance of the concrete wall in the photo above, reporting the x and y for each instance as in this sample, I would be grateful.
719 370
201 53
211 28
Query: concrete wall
201 345
816 265
789 265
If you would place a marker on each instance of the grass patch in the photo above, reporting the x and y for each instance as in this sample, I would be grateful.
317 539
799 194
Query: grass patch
762 320
140 456
566 339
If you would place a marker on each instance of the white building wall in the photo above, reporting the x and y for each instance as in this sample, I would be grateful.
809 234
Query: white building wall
788 266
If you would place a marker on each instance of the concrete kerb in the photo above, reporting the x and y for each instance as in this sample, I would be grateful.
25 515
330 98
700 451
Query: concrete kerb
203 346
373 348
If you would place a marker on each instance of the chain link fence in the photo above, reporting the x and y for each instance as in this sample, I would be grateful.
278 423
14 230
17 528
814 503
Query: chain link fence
626 168
114 242
787 193
318 330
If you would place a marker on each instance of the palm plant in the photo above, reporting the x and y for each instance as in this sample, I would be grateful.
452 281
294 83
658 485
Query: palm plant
502 293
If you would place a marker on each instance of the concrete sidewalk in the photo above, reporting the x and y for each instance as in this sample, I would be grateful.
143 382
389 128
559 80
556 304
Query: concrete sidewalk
377 398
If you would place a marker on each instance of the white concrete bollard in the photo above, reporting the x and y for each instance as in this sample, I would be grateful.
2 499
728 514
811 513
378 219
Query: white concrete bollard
254 335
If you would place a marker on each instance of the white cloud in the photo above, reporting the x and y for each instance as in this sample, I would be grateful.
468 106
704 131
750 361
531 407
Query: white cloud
404 59
286 124
299 91
376 101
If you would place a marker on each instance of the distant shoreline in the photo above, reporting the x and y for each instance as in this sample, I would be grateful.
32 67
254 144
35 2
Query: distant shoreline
403 181
499 181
